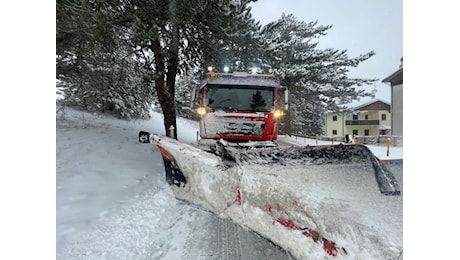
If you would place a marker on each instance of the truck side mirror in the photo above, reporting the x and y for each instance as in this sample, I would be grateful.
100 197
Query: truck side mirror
193 97
286 99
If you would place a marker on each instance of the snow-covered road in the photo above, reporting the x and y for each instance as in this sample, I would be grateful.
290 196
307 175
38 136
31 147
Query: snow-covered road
112 200
212 237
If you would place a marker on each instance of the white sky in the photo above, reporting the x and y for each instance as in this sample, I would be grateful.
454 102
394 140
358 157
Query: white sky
359 26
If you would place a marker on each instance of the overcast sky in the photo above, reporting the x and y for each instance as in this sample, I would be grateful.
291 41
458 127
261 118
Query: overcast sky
359 26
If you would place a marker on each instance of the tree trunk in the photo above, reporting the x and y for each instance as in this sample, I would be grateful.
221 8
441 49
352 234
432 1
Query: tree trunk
166 80
165 97
173 59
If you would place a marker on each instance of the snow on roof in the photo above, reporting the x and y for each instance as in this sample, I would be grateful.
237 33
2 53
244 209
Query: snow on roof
243 79
369 103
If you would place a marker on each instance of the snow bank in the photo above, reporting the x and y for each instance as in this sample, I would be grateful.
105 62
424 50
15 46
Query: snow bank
114 203
340 202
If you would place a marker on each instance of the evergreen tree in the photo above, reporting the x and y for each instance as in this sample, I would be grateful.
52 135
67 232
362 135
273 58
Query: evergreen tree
94 61
186 94
236 44
116 55
174 37
317 78
122 55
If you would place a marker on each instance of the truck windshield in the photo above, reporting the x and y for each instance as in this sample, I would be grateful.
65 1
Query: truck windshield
239 98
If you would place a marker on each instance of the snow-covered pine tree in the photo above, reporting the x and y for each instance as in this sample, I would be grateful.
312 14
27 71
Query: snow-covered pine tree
187 86
317 78
233 43
174 37
95 42
236 43
93 60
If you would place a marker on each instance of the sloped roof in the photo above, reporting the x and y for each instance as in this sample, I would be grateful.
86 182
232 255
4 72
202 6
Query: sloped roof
374 105
395 78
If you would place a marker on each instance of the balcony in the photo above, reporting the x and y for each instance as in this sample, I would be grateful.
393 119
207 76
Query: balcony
362 122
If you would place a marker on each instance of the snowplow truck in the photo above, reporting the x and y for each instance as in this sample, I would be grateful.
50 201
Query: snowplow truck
316 202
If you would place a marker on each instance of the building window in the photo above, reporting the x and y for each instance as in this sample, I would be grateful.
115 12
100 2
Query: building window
384 117
366 117
334 132
334 118
355 132
355 117
366 132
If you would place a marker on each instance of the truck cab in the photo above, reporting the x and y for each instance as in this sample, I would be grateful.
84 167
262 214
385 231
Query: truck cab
239 107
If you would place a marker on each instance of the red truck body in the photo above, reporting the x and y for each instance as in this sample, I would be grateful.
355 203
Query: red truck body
239 107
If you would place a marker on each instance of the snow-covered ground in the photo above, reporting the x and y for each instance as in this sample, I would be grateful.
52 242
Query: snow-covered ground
112 200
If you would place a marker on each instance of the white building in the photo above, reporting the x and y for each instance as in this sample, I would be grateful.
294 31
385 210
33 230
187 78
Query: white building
396 83
370 119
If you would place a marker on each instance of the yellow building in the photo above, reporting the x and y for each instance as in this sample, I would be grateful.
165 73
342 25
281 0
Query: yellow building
370 119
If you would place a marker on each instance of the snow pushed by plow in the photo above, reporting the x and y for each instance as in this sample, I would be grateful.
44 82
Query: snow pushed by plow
312 209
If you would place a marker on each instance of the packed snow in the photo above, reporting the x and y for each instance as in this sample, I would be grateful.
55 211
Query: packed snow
112 200
341 201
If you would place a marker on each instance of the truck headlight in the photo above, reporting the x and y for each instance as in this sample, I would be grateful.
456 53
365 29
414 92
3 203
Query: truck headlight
201 111
278 113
